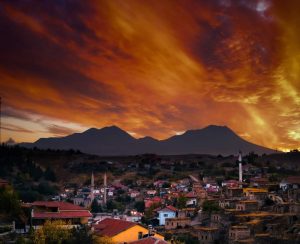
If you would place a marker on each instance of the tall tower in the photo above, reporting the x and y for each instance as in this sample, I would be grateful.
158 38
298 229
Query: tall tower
240 167
105 187
92 187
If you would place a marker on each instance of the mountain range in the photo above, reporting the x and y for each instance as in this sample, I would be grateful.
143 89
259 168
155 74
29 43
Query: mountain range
113 141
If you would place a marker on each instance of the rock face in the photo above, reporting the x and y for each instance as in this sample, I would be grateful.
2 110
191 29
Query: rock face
115 141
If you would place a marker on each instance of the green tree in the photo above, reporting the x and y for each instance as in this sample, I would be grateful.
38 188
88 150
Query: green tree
52 232
81 235
210 206
9 202
181 202
140 206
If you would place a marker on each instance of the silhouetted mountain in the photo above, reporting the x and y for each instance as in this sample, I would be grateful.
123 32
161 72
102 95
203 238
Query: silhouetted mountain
114 141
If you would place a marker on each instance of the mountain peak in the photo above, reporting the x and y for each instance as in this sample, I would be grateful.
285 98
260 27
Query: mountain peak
113 129
216 127
112 140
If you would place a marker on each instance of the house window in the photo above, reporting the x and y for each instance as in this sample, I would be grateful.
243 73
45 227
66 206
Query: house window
140 235
165 215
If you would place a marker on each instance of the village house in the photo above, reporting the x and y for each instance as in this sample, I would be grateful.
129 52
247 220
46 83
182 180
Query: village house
165 213
151 193
224 203
192 200
134 194
178 222
247 205
233 192
199 191
259 182
215 219
159 183
46 210
134 216
207 235
152 201
255 193
231 184
121 231
291 182
239 232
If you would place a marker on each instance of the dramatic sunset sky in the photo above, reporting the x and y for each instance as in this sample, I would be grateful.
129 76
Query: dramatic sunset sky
153 68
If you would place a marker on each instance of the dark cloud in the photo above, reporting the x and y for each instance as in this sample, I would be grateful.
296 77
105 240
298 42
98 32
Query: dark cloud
59 130
151 67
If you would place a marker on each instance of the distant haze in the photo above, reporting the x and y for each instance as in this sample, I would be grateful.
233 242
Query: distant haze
115 141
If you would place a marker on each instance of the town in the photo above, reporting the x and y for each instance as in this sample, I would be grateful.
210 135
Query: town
172 201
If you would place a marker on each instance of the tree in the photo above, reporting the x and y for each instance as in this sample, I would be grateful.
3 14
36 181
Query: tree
181 202
52 232
140 206
210 206
49 174
95 207
45 188
9 202
81 235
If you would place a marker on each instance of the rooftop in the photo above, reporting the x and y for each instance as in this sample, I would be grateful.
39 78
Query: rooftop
111 227
149 240
60 205
61 215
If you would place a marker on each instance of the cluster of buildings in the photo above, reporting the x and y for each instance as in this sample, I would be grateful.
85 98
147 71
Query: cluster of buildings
251 210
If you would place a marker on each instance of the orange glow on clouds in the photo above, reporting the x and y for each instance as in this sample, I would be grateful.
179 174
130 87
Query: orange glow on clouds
153 68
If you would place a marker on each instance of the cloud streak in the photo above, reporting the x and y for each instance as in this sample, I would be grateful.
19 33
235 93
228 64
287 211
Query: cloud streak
153 68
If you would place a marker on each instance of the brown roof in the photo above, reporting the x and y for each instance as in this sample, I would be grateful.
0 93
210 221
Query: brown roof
61 215
167 208
111 227
149 240
293 179
205 228
60 205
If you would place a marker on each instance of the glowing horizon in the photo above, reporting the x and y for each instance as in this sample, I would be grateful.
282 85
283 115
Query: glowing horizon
152 68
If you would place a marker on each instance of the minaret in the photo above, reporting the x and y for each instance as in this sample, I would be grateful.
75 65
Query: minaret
105 186
92 187
240 167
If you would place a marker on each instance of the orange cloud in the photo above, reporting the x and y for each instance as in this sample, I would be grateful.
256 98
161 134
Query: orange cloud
153 68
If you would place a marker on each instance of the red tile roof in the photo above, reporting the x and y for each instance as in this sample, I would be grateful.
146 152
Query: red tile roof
167 208
61 215
60 205
149 240
111 227
191 195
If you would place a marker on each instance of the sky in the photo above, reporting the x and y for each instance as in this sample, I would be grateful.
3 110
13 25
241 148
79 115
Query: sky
153 68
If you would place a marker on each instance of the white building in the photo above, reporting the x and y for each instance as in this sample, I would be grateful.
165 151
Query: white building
165 213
